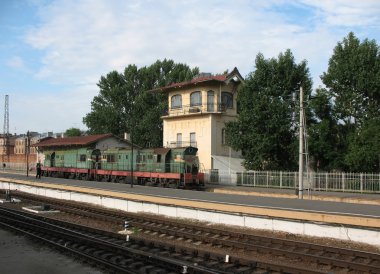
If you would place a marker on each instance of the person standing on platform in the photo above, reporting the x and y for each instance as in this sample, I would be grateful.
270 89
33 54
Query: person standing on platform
38 168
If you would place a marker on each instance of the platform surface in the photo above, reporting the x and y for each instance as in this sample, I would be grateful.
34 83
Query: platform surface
261 201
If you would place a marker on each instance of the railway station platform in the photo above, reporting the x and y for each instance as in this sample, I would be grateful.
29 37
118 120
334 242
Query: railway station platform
269 209
343 197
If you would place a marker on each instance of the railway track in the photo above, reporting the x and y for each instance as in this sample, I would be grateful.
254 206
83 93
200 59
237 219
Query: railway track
328 259
115 252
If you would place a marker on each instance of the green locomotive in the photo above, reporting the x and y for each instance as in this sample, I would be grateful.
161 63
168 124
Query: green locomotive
86 160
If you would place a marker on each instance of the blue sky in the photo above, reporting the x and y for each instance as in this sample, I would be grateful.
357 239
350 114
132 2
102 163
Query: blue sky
52 53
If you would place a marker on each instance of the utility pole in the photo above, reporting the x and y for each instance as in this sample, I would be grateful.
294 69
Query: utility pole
132 162
300 158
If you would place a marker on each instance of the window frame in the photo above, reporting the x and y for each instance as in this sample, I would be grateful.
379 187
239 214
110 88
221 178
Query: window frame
193 102
174 103
193 142
227 99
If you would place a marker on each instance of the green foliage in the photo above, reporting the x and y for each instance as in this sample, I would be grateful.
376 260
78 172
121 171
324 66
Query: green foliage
323 130
364 148
353 79
343 136
126 104
71 132
266 130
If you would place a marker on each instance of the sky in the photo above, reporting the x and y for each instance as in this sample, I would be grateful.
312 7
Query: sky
53 52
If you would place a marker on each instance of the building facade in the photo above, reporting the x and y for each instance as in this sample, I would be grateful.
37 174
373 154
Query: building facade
197 113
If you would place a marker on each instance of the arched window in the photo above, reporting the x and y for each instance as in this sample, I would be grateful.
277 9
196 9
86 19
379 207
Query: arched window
176 101
195 99
227 99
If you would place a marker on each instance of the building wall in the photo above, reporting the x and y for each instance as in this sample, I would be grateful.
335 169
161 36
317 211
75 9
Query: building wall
218 147
198 124
20 142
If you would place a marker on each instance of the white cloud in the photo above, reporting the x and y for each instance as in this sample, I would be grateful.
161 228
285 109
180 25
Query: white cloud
54 112
16 62
82 40
348 13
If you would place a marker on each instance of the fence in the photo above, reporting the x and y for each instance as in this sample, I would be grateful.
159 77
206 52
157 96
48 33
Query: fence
319 181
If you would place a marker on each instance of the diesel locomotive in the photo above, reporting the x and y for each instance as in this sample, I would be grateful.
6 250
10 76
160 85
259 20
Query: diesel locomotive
165 167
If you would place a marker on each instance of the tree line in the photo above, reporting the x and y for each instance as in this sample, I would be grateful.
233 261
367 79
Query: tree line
343 117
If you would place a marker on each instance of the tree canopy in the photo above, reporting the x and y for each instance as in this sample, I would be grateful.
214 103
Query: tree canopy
266 130
125 103
72 132
348 136
353 80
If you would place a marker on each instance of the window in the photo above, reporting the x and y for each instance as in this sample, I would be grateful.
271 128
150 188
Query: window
223 136
193 141
210 101
227 99
82 158
126 157
141 158
179 139
195 99
159 158
176 101
110 158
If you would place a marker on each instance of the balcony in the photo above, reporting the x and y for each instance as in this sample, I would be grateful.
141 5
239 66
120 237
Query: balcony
195 110
175 144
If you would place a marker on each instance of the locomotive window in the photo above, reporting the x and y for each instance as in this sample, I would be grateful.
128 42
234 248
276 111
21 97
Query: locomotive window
159 158
150 157
63 157
111 158
82 157
119 157
126 157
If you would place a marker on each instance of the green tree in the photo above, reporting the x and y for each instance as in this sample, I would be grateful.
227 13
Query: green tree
71 132
353 79
353 83
325 147
266 130
125 103
364 148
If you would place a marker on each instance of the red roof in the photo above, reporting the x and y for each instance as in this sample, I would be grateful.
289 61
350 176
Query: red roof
216 78
72 141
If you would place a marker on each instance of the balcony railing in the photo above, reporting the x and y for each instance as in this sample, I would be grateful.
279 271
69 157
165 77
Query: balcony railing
181 144
195 109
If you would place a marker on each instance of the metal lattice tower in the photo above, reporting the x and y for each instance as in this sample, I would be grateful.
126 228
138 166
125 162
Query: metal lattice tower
6 116
6 130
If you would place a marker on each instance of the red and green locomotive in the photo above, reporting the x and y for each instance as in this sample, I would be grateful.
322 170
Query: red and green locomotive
110 159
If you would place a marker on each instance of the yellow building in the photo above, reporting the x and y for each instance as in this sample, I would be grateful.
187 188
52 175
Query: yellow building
197 113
